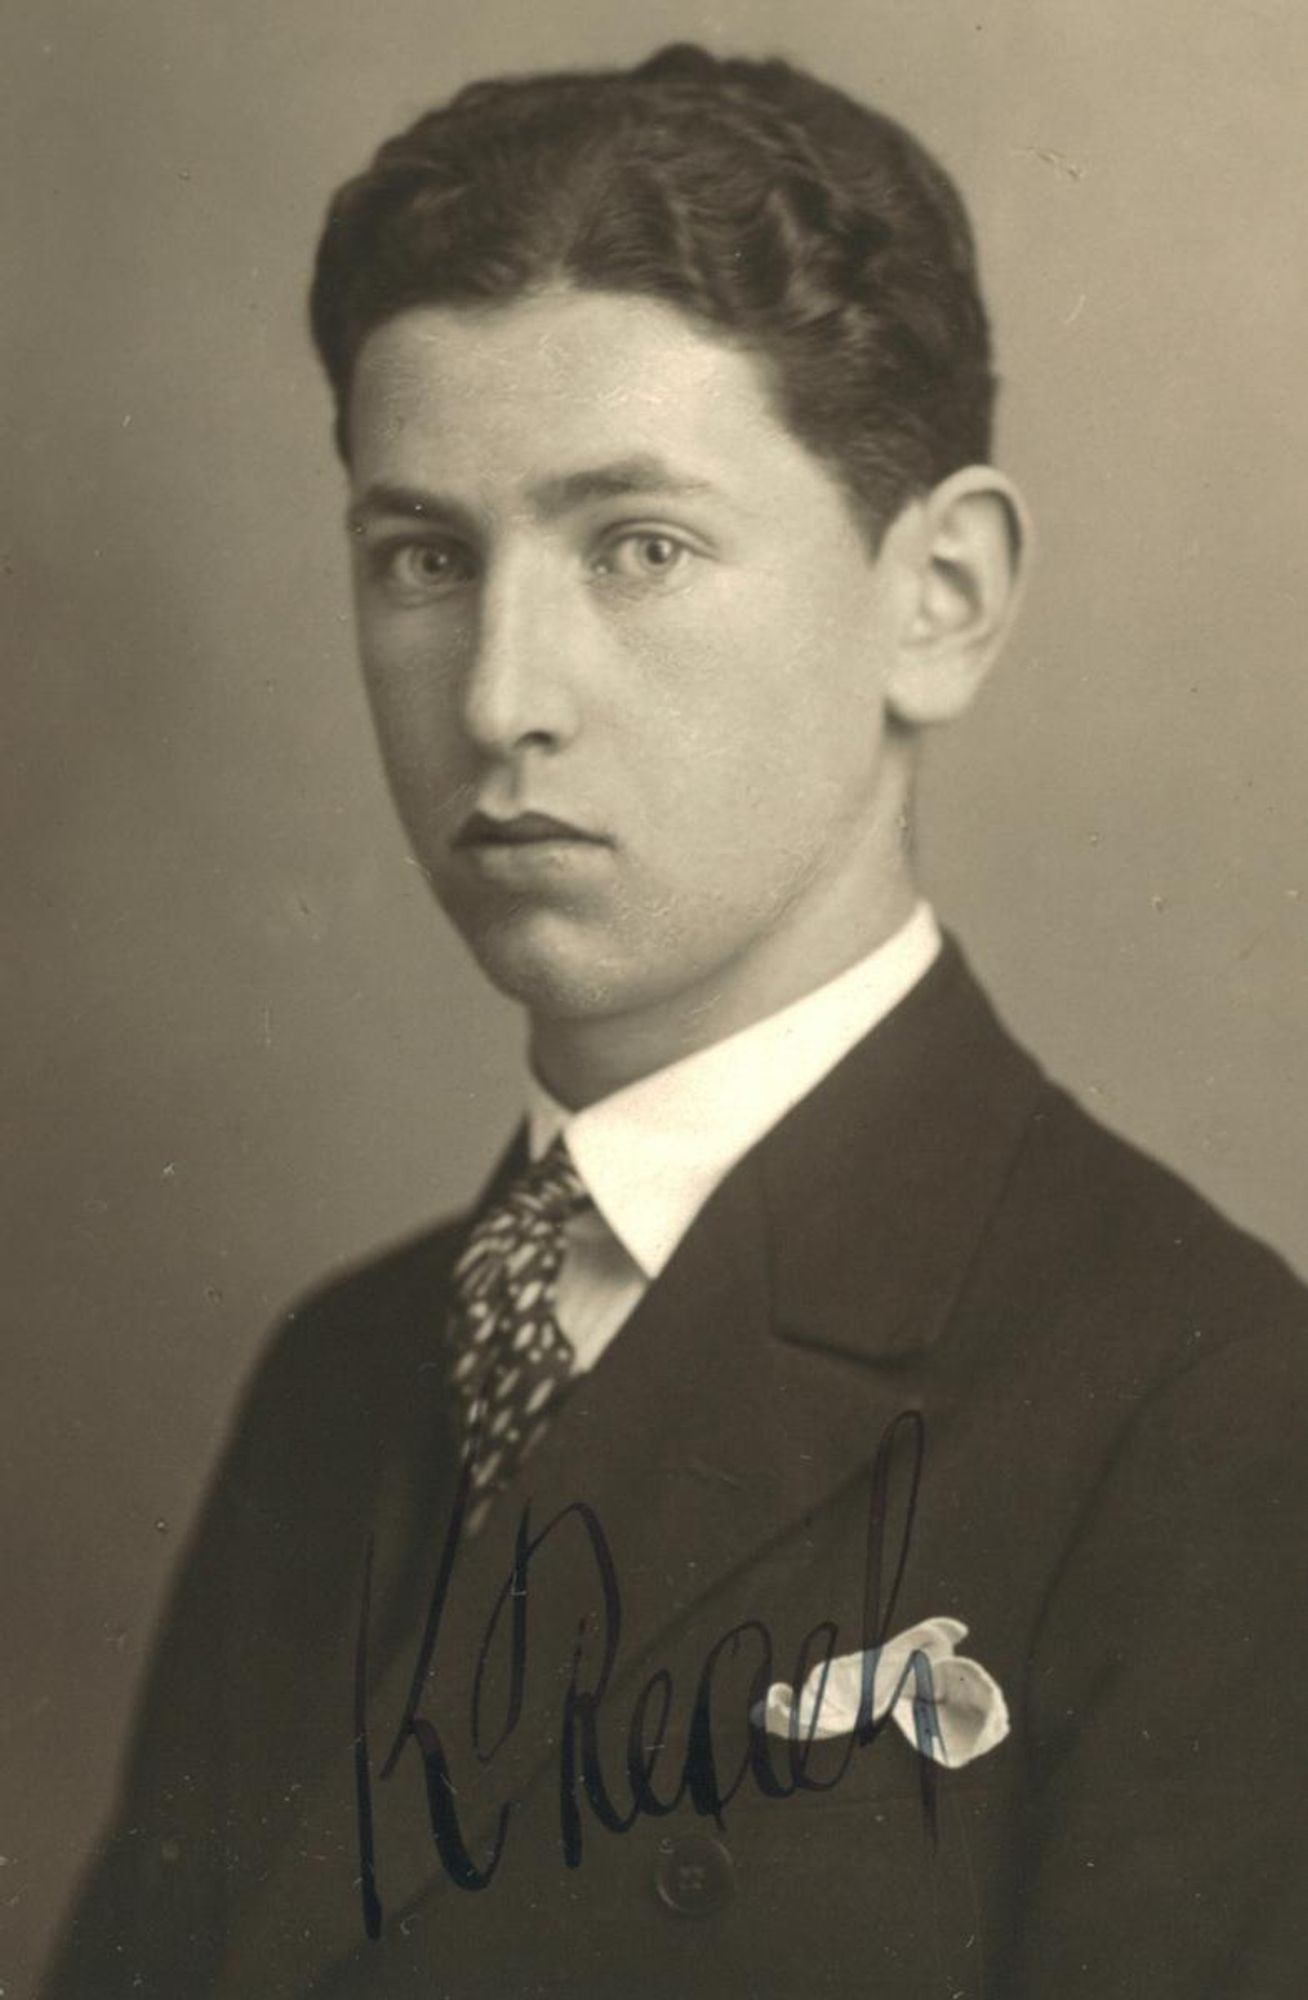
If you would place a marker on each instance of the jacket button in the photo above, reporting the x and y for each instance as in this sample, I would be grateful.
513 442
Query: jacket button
696 1876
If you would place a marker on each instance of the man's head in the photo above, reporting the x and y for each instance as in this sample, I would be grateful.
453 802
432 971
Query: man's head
664 399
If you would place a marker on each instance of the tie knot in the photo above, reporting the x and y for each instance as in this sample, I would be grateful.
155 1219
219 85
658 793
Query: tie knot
525 1224
550 1190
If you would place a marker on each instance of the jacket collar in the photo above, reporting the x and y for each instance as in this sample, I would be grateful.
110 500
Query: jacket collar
653 1152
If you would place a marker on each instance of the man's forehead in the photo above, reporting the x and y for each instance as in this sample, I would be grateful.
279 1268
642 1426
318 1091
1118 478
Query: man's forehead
561 343
567 397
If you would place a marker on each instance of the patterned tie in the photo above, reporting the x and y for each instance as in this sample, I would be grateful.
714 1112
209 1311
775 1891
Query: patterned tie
508 1346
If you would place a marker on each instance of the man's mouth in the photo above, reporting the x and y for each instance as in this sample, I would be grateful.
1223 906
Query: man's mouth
523 830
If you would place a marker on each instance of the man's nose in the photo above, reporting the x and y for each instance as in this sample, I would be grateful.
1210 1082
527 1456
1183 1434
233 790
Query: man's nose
519 687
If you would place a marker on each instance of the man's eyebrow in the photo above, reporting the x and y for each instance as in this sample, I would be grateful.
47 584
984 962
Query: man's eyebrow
620 478
418 502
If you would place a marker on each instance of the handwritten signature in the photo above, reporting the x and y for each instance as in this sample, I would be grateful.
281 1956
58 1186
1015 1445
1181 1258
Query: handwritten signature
581 1775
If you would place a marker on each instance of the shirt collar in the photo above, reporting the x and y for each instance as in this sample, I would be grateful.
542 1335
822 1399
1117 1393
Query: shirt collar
651 1154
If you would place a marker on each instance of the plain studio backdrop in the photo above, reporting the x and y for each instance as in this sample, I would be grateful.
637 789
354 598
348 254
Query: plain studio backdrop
242 1048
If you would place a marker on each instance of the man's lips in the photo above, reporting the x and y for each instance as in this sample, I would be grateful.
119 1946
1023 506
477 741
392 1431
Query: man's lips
523 830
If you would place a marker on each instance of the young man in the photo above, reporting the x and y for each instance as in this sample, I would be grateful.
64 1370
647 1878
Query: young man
580 1608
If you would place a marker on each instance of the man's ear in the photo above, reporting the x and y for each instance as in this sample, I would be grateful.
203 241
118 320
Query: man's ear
959 554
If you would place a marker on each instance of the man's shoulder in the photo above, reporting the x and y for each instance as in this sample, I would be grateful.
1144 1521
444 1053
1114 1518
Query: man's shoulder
1117 1278
938 1170
1130 1214
367 1297
1092 1215
351 1352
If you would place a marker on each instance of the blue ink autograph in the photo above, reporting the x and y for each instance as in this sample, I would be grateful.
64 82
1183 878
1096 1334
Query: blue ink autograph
580 1769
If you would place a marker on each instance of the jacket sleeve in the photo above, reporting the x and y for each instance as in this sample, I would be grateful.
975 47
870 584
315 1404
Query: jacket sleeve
212 1770
148 1918
253 1652
1165 1846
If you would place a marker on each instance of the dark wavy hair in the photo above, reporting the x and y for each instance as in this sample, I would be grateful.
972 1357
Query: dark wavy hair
770 208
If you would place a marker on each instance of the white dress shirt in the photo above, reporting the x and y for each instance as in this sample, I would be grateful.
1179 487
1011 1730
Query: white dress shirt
651 1154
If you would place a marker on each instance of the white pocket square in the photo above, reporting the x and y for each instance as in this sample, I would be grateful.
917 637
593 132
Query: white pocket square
949 1708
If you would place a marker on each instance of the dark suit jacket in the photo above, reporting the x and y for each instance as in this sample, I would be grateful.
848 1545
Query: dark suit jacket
1112 1498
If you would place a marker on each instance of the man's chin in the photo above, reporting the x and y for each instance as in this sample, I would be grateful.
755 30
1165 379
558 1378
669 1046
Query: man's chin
554 975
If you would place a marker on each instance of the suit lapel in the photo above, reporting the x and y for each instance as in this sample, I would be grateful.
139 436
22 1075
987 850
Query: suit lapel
880 1185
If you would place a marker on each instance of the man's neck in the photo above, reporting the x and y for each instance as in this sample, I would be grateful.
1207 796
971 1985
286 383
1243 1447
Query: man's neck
583 1059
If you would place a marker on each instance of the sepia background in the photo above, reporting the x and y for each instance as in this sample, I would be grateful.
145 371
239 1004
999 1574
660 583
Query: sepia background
240 1050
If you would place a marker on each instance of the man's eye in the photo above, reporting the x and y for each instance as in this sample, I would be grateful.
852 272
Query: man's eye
417 571
646 557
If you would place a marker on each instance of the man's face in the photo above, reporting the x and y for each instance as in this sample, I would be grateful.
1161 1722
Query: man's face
626 649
